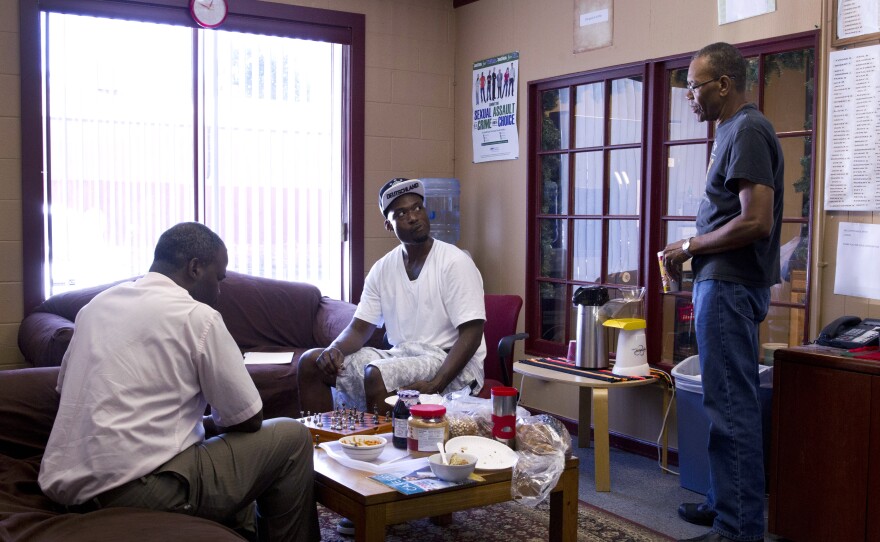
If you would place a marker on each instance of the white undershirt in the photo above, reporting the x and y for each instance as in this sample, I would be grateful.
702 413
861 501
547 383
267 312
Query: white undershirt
447 293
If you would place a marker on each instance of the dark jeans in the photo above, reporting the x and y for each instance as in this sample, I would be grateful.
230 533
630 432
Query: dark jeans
727 318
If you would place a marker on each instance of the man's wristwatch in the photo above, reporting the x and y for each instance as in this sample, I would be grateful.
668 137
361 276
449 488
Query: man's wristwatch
686 246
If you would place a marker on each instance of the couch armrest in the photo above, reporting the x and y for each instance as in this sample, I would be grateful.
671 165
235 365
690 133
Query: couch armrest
43 338
333 317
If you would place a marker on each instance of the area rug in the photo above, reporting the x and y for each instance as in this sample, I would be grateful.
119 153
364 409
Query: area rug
505 522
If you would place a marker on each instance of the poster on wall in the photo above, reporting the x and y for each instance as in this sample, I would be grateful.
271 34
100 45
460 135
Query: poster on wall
494 98
730 11
593 24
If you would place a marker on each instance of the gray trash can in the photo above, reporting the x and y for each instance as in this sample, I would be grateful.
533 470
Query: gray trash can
693 424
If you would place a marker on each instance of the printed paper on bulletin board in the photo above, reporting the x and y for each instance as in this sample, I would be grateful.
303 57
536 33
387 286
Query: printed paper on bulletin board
852 142
593 24
855 21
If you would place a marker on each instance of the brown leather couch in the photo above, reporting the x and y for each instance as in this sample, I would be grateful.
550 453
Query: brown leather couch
264 315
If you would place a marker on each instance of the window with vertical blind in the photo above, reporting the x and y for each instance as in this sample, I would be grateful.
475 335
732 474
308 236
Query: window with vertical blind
243 128
617 165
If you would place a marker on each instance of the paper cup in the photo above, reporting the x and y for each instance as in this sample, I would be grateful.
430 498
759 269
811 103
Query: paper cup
669 284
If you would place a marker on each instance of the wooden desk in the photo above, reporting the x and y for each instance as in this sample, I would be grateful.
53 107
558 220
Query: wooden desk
824 470
372 506
593 396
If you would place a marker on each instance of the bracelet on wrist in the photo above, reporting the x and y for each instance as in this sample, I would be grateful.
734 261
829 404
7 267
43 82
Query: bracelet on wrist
335 348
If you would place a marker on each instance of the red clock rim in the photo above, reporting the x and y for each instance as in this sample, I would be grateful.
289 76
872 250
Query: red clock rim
192 13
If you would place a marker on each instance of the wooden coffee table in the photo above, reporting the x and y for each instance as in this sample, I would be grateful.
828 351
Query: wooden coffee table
372 506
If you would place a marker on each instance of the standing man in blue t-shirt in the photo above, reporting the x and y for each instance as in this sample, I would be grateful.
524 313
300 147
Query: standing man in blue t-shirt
735 262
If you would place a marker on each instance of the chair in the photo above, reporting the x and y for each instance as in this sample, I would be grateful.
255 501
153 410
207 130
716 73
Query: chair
502 314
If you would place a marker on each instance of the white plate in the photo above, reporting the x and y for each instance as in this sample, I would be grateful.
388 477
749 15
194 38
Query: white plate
424 398
491 454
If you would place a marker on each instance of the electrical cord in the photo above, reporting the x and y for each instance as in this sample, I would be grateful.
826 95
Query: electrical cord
665 377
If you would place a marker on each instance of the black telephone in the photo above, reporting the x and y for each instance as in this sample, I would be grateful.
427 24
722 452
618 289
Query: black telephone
850 332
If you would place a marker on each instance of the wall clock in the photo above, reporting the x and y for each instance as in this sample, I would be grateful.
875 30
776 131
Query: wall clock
208 13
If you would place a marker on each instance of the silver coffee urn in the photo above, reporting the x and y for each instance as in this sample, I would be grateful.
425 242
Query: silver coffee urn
590 352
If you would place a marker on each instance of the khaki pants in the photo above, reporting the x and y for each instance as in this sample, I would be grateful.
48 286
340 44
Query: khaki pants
220 478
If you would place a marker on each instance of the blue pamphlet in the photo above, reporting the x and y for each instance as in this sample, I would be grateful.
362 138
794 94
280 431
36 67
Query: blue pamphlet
418 481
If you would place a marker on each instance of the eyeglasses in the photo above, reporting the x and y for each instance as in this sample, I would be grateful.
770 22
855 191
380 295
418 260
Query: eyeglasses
692 87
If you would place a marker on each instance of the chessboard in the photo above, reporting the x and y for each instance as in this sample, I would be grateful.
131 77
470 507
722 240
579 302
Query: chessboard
335 424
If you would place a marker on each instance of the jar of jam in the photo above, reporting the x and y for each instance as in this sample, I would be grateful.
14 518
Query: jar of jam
400 417
427 427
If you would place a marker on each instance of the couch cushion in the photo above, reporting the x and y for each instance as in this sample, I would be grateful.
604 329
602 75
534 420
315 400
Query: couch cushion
27 410
27 514
128 524
263 312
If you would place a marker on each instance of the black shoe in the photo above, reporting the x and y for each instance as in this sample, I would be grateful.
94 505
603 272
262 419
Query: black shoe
697 513
345 526
708 537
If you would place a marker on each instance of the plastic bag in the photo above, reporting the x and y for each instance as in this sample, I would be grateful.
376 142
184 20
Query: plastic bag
542 443
469 415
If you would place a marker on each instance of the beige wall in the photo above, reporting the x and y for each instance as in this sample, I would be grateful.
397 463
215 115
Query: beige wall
494 193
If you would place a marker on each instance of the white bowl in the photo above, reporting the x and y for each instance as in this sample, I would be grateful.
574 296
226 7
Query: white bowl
363 447
452 473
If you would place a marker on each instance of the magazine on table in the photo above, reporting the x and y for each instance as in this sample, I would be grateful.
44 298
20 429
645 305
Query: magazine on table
419 481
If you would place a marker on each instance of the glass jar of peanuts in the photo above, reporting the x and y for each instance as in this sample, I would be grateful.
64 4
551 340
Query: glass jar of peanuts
428 426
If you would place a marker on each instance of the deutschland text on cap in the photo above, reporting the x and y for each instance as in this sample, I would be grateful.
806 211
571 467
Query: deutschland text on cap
395 188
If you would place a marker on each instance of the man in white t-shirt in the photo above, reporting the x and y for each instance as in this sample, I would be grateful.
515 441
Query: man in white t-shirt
145 360
429 296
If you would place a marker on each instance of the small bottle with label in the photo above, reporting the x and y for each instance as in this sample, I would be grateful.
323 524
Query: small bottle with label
428 426
400 416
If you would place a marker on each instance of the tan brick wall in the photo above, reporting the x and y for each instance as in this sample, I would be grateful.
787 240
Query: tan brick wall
10 187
